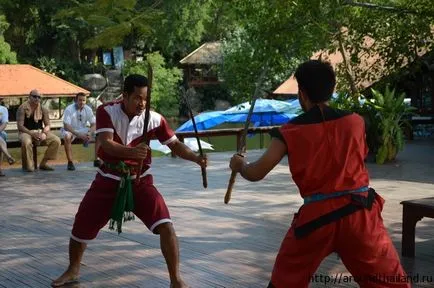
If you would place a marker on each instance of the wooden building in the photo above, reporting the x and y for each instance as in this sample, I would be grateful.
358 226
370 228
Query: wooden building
200 66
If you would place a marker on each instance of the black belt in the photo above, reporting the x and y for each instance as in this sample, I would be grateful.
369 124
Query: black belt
358 202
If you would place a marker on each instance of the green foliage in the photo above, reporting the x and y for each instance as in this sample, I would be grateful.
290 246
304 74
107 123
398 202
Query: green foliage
114 21
286 32
369 114
386 115
33 31
222 20
254 32
183 25
6 55
392 115
47 64
68 70
343 102
273 32
380 42
165 93
64 102
189 23
243 62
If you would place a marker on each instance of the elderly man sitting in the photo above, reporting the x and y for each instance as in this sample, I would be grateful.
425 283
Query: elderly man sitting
34 127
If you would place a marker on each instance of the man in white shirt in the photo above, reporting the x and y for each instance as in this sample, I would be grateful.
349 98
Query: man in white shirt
4 119
78 122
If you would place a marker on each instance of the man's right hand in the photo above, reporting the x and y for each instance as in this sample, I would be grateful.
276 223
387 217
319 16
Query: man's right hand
237 163
35 135
84 137
140 151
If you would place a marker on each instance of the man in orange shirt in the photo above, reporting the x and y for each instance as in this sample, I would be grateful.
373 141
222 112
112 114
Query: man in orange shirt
326 149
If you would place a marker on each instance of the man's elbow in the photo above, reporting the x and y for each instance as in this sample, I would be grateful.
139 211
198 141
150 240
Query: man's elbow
254 177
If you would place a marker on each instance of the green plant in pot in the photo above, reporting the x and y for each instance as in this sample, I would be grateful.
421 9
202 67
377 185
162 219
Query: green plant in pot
392 114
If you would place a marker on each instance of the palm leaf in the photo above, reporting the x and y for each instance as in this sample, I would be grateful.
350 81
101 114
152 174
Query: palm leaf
99 20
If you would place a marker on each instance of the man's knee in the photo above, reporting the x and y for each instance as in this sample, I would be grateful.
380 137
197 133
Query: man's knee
67 139
26 142
56 141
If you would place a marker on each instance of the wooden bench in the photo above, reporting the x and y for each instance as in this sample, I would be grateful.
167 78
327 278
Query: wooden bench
413 211
17 144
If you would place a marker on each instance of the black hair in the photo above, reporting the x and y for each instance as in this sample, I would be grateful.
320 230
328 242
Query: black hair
317 79
79 94
134 80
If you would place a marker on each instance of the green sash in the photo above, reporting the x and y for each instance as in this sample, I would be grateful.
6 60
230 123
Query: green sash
123 207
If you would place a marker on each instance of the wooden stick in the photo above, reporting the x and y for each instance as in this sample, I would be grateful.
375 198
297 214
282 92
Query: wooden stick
242 147
203 169
145 126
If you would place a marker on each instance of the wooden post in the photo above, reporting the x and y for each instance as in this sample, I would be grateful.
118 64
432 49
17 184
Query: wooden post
409 220
35 155
60 108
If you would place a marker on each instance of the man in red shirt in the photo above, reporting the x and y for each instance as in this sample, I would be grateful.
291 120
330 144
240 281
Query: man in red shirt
120 131
326 149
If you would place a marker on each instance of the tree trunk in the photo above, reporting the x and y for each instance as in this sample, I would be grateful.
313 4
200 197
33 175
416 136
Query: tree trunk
78 47
347 66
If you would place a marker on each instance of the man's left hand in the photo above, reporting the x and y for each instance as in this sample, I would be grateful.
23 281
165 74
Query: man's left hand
202 161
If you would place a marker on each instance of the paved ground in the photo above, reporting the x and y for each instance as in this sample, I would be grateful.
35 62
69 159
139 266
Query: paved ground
221 245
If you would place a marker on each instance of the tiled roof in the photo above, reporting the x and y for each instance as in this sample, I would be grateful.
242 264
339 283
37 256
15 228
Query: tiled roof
17 80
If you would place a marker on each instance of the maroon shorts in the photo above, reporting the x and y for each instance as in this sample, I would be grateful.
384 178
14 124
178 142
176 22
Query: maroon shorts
95 208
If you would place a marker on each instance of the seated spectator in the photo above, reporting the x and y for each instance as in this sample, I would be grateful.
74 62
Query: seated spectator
4 119
33 124
76 119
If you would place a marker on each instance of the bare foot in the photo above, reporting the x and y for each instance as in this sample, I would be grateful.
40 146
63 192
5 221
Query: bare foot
67 278
178 284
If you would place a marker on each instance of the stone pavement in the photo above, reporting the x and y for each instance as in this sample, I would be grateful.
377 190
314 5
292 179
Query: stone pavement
221 245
